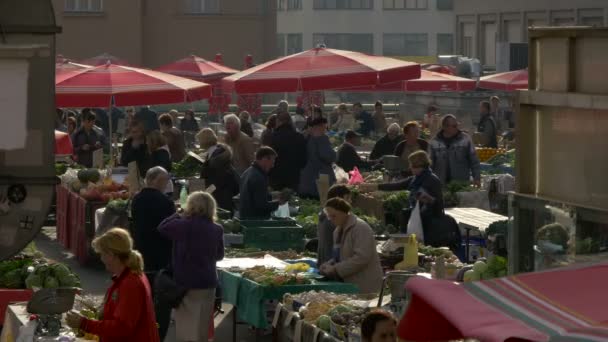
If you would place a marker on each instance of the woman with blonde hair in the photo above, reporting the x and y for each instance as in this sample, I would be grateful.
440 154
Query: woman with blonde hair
198 245
217 170
128 311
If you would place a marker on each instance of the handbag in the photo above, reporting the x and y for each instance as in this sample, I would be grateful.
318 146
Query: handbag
166 290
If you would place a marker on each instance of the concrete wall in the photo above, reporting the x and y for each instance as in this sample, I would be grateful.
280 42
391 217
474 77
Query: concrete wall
155 32
481 24
377 21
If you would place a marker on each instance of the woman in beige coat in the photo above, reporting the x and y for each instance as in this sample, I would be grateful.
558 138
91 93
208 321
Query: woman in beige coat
355 258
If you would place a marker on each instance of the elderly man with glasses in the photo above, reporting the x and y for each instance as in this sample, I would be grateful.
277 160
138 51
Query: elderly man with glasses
453 154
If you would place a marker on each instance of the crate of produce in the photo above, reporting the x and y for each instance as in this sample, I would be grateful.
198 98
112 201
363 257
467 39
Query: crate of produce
274 238
486 153
274 222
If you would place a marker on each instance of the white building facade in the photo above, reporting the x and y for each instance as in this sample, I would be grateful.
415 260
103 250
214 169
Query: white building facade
419 29
482 25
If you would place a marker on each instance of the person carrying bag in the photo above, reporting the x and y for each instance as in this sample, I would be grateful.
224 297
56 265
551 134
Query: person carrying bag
198 245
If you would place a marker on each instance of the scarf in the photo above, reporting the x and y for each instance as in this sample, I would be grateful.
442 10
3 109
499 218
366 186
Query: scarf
416 185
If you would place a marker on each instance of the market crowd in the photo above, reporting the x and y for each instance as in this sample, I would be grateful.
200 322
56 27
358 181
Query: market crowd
249 173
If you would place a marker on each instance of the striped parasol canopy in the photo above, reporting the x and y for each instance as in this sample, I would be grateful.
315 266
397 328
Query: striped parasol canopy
197 68
428 81
121 86
320 69
506 81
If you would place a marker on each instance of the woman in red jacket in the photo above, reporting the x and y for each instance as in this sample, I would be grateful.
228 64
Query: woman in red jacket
128 312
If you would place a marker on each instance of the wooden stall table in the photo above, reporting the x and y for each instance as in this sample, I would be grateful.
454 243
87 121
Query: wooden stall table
249 298
473 219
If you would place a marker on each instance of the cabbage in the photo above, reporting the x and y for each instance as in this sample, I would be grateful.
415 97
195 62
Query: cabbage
51 283
468 276
60 271
70 280
33 280
480 267
323 322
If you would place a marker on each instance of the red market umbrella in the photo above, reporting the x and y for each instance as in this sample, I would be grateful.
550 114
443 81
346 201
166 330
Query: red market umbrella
64 67
428 81
63 144
197 68
506 81
103 59
121 86
320 69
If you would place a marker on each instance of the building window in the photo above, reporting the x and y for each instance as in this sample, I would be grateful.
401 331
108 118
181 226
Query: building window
343 4
445 5
280 44
83 6
360 42
409 44
294 43
405 4
289 5
592 21
467 46
201 6
445 44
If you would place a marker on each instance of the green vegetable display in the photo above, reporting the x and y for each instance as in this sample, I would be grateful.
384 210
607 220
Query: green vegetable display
60 168
396 201
118 205
186 168
230 226
495 267
587 246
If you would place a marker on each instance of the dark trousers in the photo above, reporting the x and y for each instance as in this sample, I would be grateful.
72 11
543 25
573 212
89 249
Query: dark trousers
161 310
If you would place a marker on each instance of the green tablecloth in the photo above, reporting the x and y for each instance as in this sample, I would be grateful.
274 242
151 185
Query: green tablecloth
248 296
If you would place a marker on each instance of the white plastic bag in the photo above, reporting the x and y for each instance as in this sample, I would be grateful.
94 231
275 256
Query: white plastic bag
414 225
282 211
342 176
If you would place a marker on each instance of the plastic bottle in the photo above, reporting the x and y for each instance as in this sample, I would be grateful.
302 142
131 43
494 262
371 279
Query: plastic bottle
183 196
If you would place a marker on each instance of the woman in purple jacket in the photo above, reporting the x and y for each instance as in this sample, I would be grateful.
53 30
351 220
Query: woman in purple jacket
198 245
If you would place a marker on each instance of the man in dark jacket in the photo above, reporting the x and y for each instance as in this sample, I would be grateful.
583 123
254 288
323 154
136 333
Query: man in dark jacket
291 154
255 200
453 154
86 140
365 119
148 209
487 126
387 144
149 118
348 158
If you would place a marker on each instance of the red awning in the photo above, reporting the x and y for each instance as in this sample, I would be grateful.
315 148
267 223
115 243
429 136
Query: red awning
320 69
506 81
537 306
197 68
428 81
124 86
63 144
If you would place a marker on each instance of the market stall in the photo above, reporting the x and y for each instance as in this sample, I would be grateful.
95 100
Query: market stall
255 285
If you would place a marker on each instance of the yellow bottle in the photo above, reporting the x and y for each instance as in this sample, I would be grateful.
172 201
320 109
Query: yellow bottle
410 255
